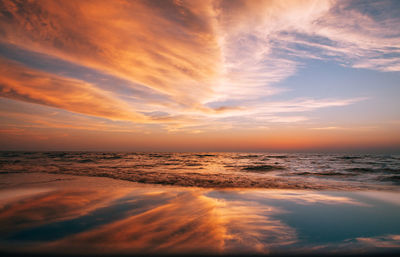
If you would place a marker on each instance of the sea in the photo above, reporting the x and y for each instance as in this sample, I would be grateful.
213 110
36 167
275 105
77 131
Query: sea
315 171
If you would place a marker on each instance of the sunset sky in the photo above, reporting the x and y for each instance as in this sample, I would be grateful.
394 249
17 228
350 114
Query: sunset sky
205 75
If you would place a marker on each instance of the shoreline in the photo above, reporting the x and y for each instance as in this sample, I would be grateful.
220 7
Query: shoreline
63 178
67 215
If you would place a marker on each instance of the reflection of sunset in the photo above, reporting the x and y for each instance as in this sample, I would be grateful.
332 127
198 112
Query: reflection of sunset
191 222
52 207
156 220
185 224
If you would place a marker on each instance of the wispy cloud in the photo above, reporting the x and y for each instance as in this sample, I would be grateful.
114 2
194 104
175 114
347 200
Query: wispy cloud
365 128
352 33
213 60
21 83
167 46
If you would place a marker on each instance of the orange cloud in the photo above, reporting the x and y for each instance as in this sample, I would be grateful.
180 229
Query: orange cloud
213 62
21 83
167 46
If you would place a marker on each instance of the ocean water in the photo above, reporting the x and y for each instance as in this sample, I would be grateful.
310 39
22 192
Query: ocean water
63 215
219 170
198 203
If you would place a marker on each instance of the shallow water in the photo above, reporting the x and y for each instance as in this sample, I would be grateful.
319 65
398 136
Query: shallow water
111 219
219 170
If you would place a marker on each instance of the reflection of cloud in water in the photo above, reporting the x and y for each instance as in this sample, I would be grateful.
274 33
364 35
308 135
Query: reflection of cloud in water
389 197
51 207
296 196
172 220
388 241
305 197
8 196
379 245
250 227
190 222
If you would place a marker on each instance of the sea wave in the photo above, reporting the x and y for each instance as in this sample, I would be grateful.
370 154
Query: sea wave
226 170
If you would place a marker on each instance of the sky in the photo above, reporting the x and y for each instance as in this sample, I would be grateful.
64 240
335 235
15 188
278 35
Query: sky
205 75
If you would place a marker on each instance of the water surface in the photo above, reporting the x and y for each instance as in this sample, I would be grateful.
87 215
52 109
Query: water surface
222 170
110 219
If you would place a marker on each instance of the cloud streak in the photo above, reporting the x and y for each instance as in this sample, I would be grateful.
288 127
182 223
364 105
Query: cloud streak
21 83
213 60
166 46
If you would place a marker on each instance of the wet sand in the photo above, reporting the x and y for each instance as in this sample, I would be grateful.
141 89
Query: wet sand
75 215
